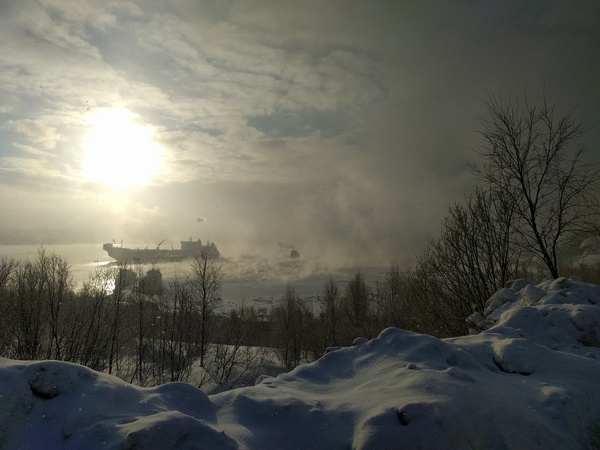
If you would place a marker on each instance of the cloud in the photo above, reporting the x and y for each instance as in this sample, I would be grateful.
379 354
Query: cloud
36 132
342 126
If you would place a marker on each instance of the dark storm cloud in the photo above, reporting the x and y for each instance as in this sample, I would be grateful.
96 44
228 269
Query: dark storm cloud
344 127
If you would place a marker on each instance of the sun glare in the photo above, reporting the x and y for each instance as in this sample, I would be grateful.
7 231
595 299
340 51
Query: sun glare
120 152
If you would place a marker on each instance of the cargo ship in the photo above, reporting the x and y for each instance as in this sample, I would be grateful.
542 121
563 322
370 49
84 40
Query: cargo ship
189 249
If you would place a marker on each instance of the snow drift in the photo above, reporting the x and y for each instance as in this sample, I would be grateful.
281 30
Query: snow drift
530 380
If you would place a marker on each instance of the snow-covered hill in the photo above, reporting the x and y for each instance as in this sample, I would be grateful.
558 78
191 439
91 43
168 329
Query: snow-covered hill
531 380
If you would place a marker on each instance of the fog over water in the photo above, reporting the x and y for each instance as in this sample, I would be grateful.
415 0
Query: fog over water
258 279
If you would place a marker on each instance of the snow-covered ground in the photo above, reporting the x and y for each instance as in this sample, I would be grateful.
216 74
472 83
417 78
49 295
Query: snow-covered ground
531 380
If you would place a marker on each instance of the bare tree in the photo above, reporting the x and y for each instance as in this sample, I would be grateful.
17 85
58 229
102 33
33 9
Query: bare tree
35 294
533 158
392 300
178 346
145 314
232 360
116 318
7 269
331 310
441 314
56 273
88 338
357 298
471 259
28 323
290 320
475 250
207 279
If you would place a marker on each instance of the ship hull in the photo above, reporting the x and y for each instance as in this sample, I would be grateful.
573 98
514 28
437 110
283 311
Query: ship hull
190 249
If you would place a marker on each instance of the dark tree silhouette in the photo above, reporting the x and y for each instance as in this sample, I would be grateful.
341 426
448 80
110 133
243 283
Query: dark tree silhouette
534 158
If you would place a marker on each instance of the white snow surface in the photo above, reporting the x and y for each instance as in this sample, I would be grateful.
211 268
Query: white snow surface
531 380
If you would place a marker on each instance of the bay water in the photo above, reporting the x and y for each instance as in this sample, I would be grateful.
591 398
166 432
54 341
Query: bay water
256 280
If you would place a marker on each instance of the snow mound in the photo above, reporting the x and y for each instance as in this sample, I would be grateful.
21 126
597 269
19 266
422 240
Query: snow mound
530 380
51 404
563 314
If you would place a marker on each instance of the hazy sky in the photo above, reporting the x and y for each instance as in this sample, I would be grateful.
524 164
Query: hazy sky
342 127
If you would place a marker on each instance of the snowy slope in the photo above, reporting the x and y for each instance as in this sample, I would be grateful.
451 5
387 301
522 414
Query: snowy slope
531 380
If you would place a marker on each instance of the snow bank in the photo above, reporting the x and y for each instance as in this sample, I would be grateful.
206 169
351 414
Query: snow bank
529 381
52 404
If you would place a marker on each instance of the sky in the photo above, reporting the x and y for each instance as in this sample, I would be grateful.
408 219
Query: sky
344 128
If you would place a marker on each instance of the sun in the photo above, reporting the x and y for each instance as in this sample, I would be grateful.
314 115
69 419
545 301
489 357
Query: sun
119 151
